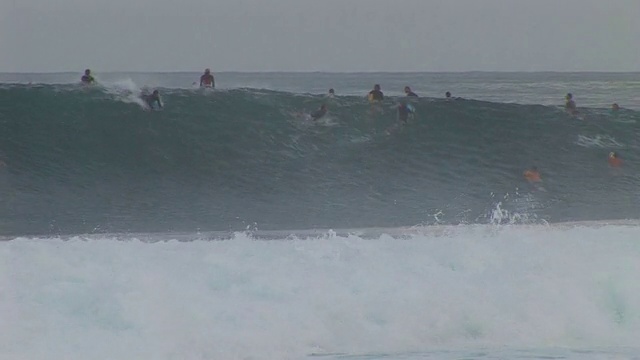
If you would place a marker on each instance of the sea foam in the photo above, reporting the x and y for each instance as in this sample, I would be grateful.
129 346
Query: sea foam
431 289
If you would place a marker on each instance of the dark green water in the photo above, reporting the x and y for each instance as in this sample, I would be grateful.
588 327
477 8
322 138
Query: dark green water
90 160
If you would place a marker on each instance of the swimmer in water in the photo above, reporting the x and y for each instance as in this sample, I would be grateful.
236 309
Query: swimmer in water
87 78
152 99
332 93
447 95
316 115
570 105
408 92
614 159
376 94
532 174
207 80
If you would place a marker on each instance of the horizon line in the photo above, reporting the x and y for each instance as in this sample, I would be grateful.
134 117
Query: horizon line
335 72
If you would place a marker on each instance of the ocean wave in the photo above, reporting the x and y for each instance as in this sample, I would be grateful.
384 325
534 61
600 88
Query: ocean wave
82 160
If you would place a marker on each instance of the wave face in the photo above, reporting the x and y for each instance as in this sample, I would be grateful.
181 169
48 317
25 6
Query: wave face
92 160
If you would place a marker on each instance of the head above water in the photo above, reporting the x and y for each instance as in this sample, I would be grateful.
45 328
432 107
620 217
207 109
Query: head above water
447 94
155 92
407 89
615 107
207 71
376 87
331 91
87 72
569 96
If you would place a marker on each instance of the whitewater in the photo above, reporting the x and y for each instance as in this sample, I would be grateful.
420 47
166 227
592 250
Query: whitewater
567 292
226 226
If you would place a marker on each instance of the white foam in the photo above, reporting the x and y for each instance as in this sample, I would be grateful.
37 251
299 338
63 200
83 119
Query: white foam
573 285
126 91
601 141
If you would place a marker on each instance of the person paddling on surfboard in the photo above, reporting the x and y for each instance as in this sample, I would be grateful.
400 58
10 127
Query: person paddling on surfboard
207 80
319 113
87 78
152 99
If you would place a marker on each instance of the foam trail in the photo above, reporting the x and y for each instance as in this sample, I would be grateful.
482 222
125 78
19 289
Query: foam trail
126 91
469 287
601 141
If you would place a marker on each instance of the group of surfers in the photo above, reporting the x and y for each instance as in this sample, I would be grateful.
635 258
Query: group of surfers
206 81
404 109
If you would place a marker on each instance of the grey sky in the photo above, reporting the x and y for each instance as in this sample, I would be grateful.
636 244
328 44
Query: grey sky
320 35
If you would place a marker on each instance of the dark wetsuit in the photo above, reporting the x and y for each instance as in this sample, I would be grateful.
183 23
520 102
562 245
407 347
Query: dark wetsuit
151 99
318 114
411 93
376 95
87 79
207 80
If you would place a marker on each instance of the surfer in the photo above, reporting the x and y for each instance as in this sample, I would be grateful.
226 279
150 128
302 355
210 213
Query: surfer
615 107
152 99
408 92
532 174
87 78
332 93
404 111
207 80
376 94
570 105
614 159
319 113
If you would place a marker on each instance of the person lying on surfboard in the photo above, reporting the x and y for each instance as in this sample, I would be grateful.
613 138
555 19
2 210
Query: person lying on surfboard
152 99
319 113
